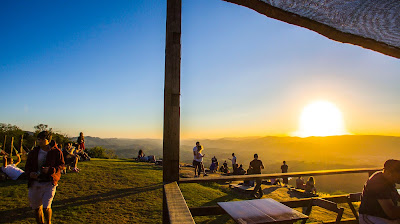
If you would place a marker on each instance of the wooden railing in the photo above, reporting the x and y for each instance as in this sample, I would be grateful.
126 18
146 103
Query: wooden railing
180 213
278 175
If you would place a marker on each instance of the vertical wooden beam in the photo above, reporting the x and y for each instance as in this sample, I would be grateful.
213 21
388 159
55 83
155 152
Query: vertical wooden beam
171 134
4 143
12 146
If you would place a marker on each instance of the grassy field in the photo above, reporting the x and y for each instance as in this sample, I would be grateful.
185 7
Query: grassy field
120 191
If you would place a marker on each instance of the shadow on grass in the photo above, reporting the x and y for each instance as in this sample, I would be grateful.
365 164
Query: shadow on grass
8 183
24 212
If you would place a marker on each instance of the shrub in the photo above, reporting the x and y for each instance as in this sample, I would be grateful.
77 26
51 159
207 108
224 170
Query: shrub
100 152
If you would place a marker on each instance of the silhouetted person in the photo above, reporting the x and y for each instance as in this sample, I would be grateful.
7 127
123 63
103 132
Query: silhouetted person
195 163
310 186
284 169
300 183
256 165
379 199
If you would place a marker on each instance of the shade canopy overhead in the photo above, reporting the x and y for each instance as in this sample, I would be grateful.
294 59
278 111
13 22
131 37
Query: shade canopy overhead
371 24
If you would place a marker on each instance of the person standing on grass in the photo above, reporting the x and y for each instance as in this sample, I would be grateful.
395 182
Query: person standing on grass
379 198
284 169
43 167
81 142
256 165
195 163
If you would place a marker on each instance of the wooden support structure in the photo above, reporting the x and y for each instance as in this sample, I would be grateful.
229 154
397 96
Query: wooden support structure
354 197
4 143
278 175
178 211
12 146
171 132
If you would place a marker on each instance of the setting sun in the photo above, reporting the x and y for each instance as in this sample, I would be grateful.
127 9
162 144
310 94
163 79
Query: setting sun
321 118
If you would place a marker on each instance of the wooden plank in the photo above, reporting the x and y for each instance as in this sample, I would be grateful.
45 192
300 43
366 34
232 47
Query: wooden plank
344 221
278 175
176 204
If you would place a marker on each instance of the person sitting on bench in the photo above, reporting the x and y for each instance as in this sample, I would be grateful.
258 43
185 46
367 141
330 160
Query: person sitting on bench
310 186
379 198
300 183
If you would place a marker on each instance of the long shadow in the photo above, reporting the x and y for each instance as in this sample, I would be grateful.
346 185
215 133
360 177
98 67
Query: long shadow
8 183
270 190
23 212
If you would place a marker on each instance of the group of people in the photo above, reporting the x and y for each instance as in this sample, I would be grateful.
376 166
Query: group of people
43 169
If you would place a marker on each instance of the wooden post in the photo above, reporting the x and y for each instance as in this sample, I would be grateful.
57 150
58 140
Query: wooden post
171 134
4 143
21 149
12 145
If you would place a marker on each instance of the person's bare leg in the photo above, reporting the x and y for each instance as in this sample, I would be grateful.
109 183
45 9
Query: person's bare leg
39 215
76 163
47 214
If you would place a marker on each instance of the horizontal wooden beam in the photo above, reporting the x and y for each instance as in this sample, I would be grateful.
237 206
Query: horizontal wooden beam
304 202
277 175
177 208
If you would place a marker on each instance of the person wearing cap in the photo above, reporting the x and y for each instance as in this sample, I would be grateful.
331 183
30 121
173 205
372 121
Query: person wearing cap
43 167
379 199
256 165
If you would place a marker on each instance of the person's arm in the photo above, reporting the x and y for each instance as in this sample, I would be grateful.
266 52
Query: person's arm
389 208
262 166
19 160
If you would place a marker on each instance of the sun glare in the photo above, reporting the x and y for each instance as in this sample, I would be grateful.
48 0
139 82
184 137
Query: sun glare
321 118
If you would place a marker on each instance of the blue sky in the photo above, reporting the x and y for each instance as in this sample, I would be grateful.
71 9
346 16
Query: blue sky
98 67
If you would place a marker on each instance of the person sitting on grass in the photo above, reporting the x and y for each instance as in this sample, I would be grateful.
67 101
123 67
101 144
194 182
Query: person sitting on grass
71 160
143 158
11 169
300 183
310 186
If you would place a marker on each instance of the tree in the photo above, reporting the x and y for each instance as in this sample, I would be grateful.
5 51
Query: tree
100 152
42 127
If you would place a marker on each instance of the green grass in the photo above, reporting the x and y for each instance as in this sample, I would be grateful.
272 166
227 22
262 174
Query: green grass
122 191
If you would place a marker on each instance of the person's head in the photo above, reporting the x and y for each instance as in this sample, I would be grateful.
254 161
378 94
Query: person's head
81 134
197 143
233 154
391 169
199 148
256 156
311 179
241 166
140 152
44 138
284 162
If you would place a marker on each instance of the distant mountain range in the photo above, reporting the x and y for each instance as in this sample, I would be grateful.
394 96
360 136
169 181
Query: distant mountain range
347 149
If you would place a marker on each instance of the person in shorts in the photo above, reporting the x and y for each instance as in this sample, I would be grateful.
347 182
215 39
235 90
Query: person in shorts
43 167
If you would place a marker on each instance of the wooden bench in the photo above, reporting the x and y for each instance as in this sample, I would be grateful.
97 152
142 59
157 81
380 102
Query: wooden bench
177 207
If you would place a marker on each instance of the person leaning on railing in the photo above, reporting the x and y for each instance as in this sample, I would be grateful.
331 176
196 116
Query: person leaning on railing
379 199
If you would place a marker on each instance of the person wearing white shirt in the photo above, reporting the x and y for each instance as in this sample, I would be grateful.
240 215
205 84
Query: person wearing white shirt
11 169
195 163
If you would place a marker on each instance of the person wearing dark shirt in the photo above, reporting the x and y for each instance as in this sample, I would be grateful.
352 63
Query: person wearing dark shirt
379 199
256 165
284 169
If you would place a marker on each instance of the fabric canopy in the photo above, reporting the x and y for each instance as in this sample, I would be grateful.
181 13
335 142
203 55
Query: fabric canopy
372 24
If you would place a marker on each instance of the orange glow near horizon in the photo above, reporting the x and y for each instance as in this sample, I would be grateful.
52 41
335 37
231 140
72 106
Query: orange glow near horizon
321 118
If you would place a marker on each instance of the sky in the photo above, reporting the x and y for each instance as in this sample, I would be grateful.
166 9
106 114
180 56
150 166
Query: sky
98 67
